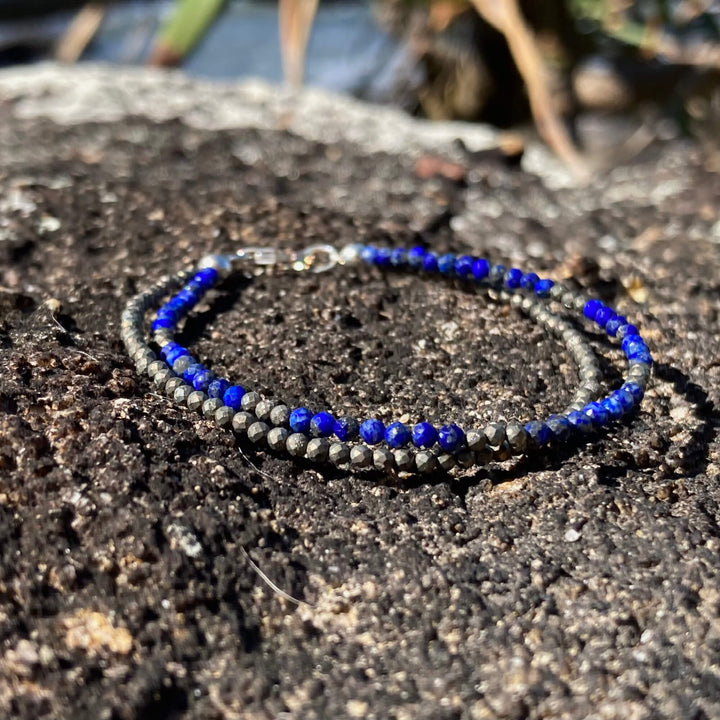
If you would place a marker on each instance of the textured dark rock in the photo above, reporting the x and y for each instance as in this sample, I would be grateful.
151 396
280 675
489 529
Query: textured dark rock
578 584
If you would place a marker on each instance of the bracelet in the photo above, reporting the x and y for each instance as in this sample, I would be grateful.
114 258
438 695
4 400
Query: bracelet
344 440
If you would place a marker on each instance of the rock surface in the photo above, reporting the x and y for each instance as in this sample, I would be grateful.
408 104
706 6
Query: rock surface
132 534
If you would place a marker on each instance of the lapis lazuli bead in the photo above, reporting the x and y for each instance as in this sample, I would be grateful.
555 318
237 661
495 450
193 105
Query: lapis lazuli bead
641 356
538 431
450 437
542 287
625 330
368 254
191 371
559 426
635 390
175 353
217 388
162 324
430 262
382 257
603 314
206 277
397 435
202 379
446 264
398 257
528 280
613 406
598 415
613 324
346 428
463 266
372 431
233 396
415 257
626 400
633 343
591 307
168 348
167 312
300 420
424 435
579 421
480 269
322 424
513 277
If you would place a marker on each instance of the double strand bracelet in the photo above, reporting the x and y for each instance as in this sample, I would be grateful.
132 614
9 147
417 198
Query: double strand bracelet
325 436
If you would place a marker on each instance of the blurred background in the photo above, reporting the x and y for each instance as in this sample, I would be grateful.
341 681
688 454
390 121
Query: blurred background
637 69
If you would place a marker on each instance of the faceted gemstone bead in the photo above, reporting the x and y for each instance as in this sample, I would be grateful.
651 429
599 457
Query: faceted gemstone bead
191 371
398 257
633 343
591 307
415 257
528 280
513 277
480 269
372 431
539 432
233 396
641 356
635 390
346 428
559 426
424 435
300 419
321 424
613 406
613 324
162 324
217 388
382 257
206 277
626 400
603 314
450 437
597 414
446 264
625 330
368 254
397 435
202 379
496 275
542 287
580 421
463 266
430 262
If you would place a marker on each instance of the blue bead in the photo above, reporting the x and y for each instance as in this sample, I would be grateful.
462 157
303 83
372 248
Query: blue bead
496 274
398 257
300 420
450 437
346 428
513 277
542 287
625 330
382 257
626 400
613 406
597 414
446 264
528 280
172 355
368 254
206 277
633 343
167 312
539 432
591 307
233 396
397 435
463 266
480 269
162 324
579 421
559 426
613 324
217 388
191 371
322 424
424 435
430 262
641 356
372 431
415 257
202 379
169 347
196 288
603 314
635 390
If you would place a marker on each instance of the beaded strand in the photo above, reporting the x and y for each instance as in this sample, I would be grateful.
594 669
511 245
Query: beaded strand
321 436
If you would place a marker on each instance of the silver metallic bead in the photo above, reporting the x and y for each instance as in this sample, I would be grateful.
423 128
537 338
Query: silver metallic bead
425 461
211 406
258 431
182 393
249 401
224 416
495 433
317 449
339 453
263 409
475 439
280 415
160 378
296 444
446 461
465 458
404 459
221 263
195 400
242 421
182 364
361 455
155 367
277 438
516 436
172 385
383 459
